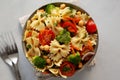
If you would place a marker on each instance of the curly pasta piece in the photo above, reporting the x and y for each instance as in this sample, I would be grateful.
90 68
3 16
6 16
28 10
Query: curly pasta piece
34 51
56 57
50 21
54 71
38 14
80 38
58 51
29 40
58 63
35 41
93 38
37 25
28 24
65 11
49 66
81 33
25 35
32 41
35 33
57 30
76 42
40 69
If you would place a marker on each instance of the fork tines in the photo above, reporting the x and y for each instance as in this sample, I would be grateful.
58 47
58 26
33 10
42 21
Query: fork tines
9 42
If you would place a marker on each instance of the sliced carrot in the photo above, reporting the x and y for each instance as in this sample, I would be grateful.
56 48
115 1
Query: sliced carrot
29 34
74 19
90 47
75 48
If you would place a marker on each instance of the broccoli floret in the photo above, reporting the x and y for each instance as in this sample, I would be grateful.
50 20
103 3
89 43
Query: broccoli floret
74 58
64 37
39 62
49 8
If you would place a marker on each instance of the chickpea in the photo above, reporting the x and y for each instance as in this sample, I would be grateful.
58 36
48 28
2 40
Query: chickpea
81 23
46 47
78 13
45 57
41 10
41 47
48 61
80 65
62 6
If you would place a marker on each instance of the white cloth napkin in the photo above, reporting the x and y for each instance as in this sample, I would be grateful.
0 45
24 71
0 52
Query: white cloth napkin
23 19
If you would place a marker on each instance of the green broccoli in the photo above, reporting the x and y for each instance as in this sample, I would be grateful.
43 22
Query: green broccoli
49 8
39 62
64 37
74 58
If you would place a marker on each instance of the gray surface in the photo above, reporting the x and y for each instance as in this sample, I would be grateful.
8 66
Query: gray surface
106 14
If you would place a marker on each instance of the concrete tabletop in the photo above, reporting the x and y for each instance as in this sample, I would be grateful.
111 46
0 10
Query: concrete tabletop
106 14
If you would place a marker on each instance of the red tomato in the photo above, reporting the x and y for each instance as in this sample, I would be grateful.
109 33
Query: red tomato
90 26
70 26
67 68
45 36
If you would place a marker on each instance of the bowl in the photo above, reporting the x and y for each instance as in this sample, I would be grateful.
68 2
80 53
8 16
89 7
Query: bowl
86 56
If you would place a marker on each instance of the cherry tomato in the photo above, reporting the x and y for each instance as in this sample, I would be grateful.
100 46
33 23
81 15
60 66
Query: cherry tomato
90 26
45 36
70 26
67 68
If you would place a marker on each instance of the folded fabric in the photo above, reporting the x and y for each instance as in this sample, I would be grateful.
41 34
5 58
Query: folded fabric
23 19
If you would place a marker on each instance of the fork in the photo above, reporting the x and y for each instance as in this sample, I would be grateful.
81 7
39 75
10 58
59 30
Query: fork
9 52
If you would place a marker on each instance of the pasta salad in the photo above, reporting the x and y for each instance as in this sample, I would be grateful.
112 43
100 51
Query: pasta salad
60 39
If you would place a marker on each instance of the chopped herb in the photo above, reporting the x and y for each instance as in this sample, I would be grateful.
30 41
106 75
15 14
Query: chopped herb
65 69
44 14
28 46
71 9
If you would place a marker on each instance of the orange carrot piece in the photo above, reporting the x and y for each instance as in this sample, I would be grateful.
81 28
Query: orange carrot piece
29 34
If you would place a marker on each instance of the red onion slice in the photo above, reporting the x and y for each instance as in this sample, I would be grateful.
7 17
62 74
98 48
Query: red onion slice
88 54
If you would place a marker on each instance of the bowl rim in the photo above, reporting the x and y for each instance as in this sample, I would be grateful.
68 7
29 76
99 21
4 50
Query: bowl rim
75 7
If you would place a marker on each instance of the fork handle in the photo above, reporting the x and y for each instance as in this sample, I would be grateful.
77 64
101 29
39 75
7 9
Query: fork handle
17 73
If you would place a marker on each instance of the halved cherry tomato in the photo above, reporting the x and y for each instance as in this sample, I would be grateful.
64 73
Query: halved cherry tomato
90 26
70 26
67 68
45 36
